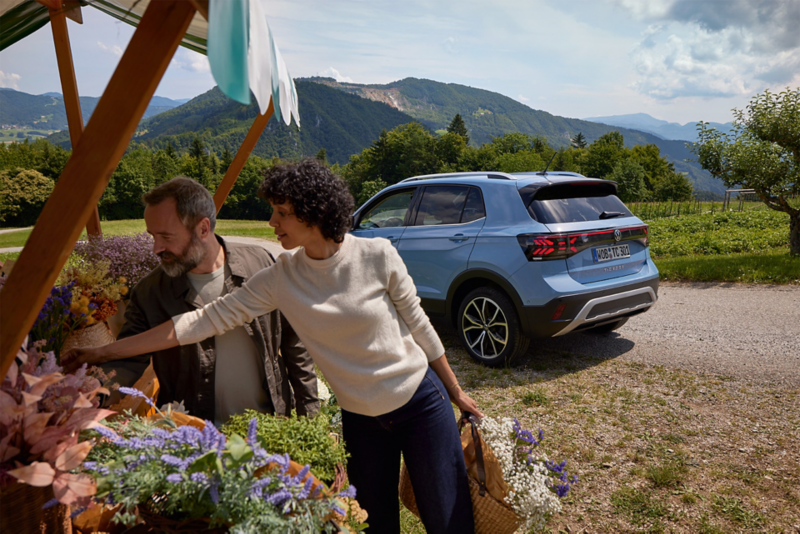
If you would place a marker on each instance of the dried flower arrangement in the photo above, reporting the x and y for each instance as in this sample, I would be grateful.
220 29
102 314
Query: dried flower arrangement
42 412
92 285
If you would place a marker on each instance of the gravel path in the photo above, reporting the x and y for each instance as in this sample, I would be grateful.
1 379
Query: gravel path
743 331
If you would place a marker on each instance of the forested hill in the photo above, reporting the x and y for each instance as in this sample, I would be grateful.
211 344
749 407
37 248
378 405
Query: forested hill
340 123
47 112
488 114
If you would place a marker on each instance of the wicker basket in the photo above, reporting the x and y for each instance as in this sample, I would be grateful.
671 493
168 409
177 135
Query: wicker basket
96 335
21 511
491 515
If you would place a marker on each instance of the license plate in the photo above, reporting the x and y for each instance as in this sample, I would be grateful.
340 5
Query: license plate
613 252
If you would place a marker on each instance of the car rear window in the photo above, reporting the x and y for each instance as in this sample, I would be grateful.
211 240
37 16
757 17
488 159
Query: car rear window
570 202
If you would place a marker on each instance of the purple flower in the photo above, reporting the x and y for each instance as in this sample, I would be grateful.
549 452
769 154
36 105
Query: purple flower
200 478
174 478
136 393
349 492
279 497
251 431
213 492
174 461
49 504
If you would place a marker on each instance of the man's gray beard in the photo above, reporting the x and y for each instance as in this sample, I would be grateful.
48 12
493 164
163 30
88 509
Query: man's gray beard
190 257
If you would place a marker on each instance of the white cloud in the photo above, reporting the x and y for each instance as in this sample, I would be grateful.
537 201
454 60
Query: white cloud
450 45
9 80
116 50
696 49
330 72
190 61
522 98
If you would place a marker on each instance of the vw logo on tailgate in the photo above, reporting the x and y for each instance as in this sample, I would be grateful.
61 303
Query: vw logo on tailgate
617 235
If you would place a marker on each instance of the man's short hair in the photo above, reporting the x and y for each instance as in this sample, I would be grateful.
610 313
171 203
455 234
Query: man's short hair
193 201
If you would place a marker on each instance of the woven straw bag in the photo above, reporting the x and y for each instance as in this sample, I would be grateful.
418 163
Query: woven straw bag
491 515
96 335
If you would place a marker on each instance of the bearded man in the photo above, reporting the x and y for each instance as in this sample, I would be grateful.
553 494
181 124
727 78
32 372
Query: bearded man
261 365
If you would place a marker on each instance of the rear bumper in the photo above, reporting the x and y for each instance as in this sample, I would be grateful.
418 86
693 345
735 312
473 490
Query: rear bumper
585 310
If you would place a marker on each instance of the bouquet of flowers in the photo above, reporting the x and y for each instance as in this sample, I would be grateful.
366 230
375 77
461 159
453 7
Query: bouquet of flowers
184 474
535 484
42 412
94 293
58 318
130 257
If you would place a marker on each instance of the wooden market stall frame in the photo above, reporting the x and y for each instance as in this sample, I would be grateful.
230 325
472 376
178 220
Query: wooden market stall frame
96 152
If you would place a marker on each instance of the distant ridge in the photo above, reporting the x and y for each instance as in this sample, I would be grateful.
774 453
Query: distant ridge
658 127
47 112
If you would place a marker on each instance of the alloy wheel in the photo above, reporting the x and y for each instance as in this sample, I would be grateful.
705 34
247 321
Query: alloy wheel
485 327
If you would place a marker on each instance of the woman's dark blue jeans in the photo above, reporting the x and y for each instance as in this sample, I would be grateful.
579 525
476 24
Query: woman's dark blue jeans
425 432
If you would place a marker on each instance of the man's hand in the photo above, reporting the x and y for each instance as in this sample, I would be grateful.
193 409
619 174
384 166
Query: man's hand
74 358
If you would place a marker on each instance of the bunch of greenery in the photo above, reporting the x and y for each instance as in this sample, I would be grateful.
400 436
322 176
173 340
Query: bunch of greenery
189 474
306 440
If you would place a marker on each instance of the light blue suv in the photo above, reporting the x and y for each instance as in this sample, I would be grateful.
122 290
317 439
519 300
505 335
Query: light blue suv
510 257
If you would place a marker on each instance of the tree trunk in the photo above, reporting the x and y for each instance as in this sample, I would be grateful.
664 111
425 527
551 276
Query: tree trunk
794 232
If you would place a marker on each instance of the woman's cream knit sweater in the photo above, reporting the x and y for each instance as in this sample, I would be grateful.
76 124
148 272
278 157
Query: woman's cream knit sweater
356 312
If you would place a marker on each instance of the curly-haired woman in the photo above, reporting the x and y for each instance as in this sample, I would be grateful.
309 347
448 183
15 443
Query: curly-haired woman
354 306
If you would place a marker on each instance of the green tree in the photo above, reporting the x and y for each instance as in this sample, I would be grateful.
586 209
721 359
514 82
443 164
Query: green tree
369 190
526 161
629 176
322 156
603 155
23 193
675 186
579 141
762 152
457 126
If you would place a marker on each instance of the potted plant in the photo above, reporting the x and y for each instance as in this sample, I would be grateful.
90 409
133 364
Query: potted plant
182 478
42 412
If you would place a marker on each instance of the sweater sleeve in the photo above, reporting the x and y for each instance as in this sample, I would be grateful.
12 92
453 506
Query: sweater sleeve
251 300
404 296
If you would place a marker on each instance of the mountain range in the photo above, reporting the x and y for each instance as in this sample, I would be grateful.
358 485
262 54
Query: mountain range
663 129
47 112
345 118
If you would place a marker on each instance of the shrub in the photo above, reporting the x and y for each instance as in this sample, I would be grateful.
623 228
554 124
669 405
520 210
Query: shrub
22 196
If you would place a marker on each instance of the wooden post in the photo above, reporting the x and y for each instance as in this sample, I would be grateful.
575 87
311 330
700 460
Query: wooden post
89 168
69 88
240 159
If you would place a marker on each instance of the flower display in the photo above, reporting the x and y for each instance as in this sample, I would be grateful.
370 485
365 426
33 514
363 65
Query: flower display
130 257
42 412
186 473
58 318
94 293
535 483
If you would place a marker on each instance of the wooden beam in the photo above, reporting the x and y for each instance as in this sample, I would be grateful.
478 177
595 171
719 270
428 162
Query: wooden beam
202 7
69 88
89 168
240 159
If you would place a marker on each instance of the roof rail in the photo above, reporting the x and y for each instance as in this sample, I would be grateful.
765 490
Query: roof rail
489 175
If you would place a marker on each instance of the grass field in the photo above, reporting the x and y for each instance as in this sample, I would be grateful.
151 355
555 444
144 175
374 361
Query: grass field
656 449
751 246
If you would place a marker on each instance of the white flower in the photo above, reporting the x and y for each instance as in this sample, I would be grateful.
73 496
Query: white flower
529 494
323 392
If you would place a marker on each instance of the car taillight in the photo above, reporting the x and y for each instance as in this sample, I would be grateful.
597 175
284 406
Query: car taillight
537 247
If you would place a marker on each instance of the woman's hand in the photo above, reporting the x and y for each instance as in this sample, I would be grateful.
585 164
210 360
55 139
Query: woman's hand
74 358
464 401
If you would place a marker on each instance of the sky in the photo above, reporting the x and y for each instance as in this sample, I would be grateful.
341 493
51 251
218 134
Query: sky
677 60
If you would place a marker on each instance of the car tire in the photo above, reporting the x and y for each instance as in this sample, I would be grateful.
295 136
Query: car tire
608 327
488 327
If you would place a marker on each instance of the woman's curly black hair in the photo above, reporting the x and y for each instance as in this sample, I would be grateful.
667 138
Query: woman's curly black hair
318 196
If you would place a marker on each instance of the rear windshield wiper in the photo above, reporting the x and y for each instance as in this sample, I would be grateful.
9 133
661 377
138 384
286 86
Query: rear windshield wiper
610 214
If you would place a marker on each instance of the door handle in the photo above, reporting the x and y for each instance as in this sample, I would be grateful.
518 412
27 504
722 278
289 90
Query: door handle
393 239
459 237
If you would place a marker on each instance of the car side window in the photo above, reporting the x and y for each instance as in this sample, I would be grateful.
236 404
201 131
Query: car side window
389 212
441 205
473 209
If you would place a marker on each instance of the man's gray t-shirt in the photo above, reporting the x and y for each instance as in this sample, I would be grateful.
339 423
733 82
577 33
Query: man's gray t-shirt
239 372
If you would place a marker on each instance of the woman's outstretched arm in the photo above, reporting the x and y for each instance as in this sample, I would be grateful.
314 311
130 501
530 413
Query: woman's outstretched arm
161 337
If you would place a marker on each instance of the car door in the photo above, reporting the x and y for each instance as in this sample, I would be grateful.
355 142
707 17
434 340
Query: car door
437 245
386 216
